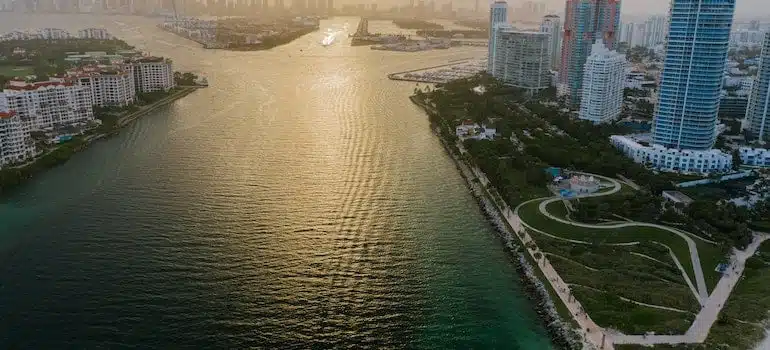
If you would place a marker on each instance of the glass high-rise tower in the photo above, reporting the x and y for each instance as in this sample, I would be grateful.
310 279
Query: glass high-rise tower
758 113
498 15
691 81
585 21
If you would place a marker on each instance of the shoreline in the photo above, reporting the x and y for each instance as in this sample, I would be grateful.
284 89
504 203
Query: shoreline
241 48
559 330
51 159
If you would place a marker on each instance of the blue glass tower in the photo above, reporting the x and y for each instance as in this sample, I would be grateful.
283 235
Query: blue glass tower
498 15
689 94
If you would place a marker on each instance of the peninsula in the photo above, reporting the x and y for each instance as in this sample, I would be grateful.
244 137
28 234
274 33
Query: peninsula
62 92
242 34
613 253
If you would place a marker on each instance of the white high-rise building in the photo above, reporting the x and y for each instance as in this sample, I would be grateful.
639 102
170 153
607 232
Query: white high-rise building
15 145
94 33
48 105
603 82
498 15
522 59
153 74
53 34
758 112
654 31
627 35
552 25
110 86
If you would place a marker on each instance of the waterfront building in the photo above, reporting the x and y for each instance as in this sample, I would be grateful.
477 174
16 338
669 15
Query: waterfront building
585 21
48 105
758 111
53 34
551 24
153 74
603 84
109 86
674 160
15 145
691 82
522 59
758 157
94 33
498 15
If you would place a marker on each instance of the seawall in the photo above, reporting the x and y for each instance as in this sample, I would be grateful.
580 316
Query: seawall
562 334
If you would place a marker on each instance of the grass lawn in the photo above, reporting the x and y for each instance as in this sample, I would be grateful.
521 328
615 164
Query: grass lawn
710 255
644 272
608 310
16 71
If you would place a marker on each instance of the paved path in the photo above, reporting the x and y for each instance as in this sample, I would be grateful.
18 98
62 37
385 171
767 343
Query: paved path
694 257
599 338
699 330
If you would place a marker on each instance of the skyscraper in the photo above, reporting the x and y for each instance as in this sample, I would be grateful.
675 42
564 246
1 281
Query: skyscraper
585 21
498 14
691 81
521 59
758 113
552 25
603 82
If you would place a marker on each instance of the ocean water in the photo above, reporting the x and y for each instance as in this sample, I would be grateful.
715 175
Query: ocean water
301 201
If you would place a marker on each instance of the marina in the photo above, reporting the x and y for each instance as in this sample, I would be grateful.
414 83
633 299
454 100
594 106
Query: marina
442 73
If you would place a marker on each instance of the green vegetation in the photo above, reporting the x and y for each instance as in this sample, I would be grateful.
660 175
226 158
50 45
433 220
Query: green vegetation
237 43
537 132
185 79
11 177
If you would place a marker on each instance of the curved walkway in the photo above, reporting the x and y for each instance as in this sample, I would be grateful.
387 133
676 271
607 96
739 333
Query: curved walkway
694 257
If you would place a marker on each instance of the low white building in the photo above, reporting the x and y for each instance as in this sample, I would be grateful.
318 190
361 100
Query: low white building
153 74
110 86
582 184
759 157
94 33
471 130
15 144
674 160
603 82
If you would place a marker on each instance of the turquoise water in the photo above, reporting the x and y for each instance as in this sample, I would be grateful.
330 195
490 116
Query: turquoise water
300 201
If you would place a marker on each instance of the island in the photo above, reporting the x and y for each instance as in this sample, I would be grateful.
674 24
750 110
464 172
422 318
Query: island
242 34
614 254
417 24
62 92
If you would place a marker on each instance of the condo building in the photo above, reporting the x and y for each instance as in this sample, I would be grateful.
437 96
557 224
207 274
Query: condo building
48 105
758 111
15 145
94 33
153 74
522 59
498 15
604 79
551 24
109 86
691 82
585 21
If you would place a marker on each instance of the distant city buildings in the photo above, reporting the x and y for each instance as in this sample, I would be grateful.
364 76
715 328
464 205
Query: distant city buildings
585 21
522 59
758 111
603 83
498 16
551 24
94 33
648 34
